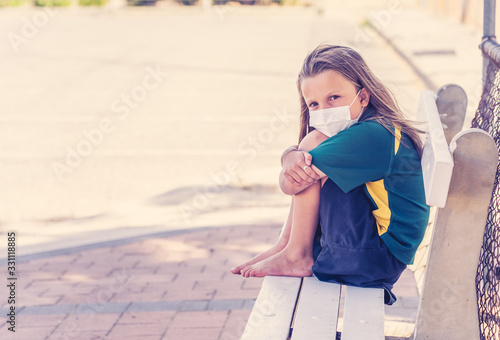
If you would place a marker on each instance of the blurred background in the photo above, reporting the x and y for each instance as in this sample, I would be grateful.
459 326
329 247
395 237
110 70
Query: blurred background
122 118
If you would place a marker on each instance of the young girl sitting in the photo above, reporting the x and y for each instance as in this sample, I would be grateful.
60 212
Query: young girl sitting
364 186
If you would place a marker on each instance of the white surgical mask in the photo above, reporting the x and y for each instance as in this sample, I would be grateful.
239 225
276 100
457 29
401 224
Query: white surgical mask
333 120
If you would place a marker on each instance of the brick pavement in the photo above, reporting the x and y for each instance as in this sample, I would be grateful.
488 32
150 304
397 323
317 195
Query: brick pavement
160 287
175 287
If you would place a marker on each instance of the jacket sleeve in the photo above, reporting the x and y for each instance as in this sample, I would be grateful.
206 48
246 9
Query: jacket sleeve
362 153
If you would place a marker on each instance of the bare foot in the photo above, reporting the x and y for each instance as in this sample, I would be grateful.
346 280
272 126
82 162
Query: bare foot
279 246
283 263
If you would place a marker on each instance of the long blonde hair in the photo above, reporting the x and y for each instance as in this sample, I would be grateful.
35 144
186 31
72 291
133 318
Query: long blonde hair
351 65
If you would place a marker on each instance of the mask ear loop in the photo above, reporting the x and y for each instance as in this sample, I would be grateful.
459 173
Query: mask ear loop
361 113
362 107
357 94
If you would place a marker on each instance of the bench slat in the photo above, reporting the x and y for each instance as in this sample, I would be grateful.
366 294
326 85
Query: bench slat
437 163
273 310
317 312
363 314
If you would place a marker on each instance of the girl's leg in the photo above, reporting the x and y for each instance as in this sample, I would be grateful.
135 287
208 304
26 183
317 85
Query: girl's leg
276 248
296 258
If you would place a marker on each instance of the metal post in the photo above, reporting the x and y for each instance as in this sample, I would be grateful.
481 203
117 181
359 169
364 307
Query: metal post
488 28
489 18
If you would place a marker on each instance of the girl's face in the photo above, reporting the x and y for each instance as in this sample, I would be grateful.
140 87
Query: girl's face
332 89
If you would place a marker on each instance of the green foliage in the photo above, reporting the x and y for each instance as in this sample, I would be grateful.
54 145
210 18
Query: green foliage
92 2
11 3
52 3
141 2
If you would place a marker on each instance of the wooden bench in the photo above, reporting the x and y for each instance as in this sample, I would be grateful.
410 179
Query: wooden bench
306 308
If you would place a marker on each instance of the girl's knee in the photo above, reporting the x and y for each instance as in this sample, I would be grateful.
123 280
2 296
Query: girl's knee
312 140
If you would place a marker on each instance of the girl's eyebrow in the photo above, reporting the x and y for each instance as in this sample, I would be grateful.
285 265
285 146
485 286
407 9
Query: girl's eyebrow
328 94
334 92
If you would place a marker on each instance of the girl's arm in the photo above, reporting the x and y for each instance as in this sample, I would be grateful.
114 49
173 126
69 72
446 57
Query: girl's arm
295 159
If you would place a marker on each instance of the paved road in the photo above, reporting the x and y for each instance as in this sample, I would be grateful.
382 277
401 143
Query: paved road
164 117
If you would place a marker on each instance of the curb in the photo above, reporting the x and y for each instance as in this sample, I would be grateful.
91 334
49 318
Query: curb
103 244
407 59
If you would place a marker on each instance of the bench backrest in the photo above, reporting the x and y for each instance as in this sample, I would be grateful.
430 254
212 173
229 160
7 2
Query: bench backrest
437 163
448 303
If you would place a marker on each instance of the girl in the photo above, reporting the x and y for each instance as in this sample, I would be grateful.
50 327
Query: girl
364 185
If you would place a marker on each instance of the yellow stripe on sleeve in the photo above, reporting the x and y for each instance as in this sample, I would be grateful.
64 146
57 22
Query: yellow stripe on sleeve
397 140
379 194
381 198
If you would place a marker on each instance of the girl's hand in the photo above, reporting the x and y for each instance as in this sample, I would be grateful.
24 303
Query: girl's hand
297 168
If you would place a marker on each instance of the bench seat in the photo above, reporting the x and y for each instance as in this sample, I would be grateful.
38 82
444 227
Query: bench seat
306 308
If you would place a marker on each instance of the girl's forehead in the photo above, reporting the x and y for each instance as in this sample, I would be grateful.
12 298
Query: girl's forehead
328 81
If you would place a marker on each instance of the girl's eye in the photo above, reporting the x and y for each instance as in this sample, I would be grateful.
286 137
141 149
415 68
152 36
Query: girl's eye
334 97
313 104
